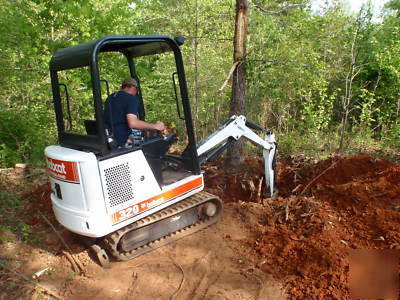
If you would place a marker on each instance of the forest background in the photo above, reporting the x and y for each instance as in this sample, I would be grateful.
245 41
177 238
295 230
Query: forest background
325 81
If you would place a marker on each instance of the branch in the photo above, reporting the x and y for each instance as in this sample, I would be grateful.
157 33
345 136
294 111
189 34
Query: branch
229 76
272 13
275 62
208 38
264 11
294 5
149 20
77 266
322 173
182 281
34 283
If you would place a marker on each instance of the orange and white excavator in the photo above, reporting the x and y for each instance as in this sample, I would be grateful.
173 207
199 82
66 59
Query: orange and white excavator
128 201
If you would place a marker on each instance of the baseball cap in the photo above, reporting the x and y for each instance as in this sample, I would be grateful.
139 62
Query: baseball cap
129 82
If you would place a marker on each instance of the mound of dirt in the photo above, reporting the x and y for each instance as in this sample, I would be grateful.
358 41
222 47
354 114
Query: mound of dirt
327 208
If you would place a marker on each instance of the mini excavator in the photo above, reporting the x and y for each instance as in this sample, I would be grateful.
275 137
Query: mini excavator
128 201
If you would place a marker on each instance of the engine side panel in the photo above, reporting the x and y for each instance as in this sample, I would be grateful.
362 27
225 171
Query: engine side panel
126 179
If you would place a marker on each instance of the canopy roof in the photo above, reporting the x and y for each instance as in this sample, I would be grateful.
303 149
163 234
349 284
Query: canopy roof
133 46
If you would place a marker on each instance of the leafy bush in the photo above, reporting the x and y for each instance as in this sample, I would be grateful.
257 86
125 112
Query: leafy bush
23 136
393 136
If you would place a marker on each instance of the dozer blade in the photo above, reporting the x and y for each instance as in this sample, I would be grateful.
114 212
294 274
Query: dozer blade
163 227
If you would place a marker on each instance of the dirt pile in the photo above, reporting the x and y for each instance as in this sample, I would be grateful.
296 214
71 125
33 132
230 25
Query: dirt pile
327 208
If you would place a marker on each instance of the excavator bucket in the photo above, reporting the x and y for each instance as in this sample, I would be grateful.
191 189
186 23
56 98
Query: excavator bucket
269 165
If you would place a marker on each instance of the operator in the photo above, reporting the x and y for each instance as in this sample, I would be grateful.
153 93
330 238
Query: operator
124 106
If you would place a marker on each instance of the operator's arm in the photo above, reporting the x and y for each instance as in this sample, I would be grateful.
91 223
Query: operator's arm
135 123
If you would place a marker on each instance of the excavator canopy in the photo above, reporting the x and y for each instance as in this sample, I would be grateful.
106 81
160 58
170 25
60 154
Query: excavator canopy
86 59
132 46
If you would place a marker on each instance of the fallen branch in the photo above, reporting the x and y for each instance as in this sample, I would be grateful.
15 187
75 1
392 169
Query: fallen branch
55 231
229 76
210 285
315 178
182 281
77 266
287 211
296 188
259 190
195 294
72 261
34 283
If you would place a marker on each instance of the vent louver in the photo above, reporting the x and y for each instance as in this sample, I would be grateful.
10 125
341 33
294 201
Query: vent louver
119 184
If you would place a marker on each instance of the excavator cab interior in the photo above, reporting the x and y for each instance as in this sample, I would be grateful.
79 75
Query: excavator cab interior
82 78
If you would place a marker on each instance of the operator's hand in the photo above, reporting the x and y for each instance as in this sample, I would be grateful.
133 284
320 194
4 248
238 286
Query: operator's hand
159 126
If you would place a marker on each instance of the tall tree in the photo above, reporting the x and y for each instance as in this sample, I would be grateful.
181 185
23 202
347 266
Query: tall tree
235 153
361 25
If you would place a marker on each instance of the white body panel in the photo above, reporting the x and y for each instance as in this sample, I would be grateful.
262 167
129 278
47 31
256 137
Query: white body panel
94 198
132 171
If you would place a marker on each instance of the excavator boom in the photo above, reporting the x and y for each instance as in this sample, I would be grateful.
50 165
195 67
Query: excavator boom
232 130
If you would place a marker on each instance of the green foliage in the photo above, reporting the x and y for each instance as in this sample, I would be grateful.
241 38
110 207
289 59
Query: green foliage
23 136
28 236
298 65
10 202
13 227
393 5
4 234
393 136
312 145
317 110
366 108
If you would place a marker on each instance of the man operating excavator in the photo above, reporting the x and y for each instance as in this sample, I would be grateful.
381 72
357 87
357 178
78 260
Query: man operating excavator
121 112
132 200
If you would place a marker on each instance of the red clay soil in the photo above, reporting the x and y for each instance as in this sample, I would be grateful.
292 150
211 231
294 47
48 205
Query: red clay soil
38 197
326 210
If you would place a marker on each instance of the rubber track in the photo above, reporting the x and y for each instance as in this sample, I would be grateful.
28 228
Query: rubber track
111 241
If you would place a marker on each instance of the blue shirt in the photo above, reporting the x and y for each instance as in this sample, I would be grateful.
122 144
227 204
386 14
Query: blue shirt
120 103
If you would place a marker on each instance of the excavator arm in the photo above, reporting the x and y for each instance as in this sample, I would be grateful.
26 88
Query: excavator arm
232 130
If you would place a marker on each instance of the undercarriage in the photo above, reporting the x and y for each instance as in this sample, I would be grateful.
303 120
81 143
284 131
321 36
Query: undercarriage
161 228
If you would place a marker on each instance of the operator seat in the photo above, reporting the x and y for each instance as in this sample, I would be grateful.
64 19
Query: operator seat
90 126
154 150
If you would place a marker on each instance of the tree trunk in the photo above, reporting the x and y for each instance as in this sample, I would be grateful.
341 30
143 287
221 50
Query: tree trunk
351 75
235 152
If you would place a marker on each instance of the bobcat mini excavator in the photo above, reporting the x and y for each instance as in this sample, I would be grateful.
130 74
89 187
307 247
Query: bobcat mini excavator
131 200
